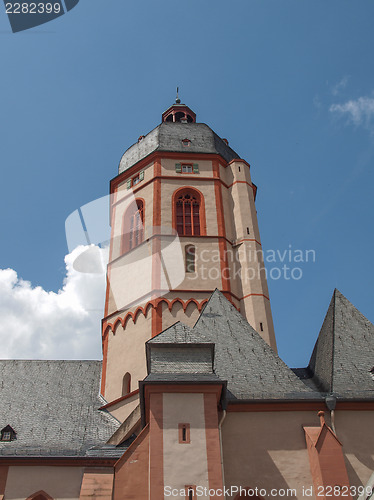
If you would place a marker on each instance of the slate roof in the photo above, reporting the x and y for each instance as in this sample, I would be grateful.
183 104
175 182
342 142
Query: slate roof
344 352
53 407
242 357
176 378
168 137
252 369
179 333
340 365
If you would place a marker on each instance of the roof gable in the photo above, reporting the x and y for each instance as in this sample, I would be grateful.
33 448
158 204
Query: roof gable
343 354
242 357
179 333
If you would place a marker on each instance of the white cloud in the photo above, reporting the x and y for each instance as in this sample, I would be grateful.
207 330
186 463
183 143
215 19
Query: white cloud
340 85
359 112
36 324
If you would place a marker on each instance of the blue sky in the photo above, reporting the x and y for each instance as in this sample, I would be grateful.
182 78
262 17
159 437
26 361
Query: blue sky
289 83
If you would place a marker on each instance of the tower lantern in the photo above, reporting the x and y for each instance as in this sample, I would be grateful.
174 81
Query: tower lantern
179 113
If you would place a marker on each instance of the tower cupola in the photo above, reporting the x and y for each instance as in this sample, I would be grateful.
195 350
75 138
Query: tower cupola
179 113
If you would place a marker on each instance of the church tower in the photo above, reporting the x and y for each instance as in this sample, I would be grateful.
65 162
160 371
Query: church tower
184 223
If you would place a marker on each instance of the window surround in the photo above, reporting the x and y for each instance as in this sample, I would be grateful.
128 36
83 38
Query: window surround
190 258
191 190
190 491
126 244
40 495
184 433
126 384
187 168
135 179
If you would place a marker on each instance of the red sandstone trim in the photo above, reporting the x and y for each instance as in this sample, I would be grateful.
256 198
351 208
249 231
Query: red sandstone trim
156 245
247 239
3 478
119 400
156 448
156 319
157 155
217 237
236 160
181 177
212 443
188 488
112 210
176 193
125 227
255 295
133 445
187 439
40 492
105 361
226 285
326 458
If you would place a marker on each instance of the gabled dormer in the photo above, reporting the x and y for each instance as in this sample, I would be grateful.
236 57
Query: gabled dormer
8 434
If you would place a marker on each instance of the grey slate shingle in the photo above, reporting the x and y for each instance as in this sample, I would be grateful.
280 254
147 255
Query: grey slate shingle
242 358
53 407
168 137
344 352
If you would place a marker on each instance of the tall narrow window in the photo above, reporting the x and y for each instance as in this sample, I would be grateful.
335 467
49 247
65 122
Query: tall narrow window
188 214
126 384
184 433
190 258
133 226
136 226
190 491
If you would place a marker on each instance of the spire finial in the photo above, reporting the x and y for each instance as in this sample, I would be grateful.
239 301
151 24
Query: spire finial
177 100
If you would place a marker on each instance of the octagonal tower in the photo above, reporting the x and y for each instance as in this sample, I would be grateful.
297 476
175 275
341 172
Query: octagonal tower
184 223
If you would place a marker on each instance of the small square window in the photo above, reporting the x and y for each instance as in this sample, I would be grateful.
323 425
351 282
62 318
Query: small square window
6 436
135 180
187 169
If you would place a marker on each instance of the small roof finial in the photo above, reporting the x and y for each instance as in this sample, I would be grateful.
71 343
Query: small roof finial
177 100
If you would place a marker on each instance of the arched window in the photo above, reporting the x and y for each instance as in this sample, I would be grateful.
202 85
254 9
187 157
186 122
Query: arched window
190 258
133 226
188 214
126 384
40 495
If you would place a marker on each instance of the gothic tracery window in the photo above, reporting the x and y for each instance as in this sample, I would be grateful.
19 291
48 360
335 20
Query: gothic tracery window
133 231
188 214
